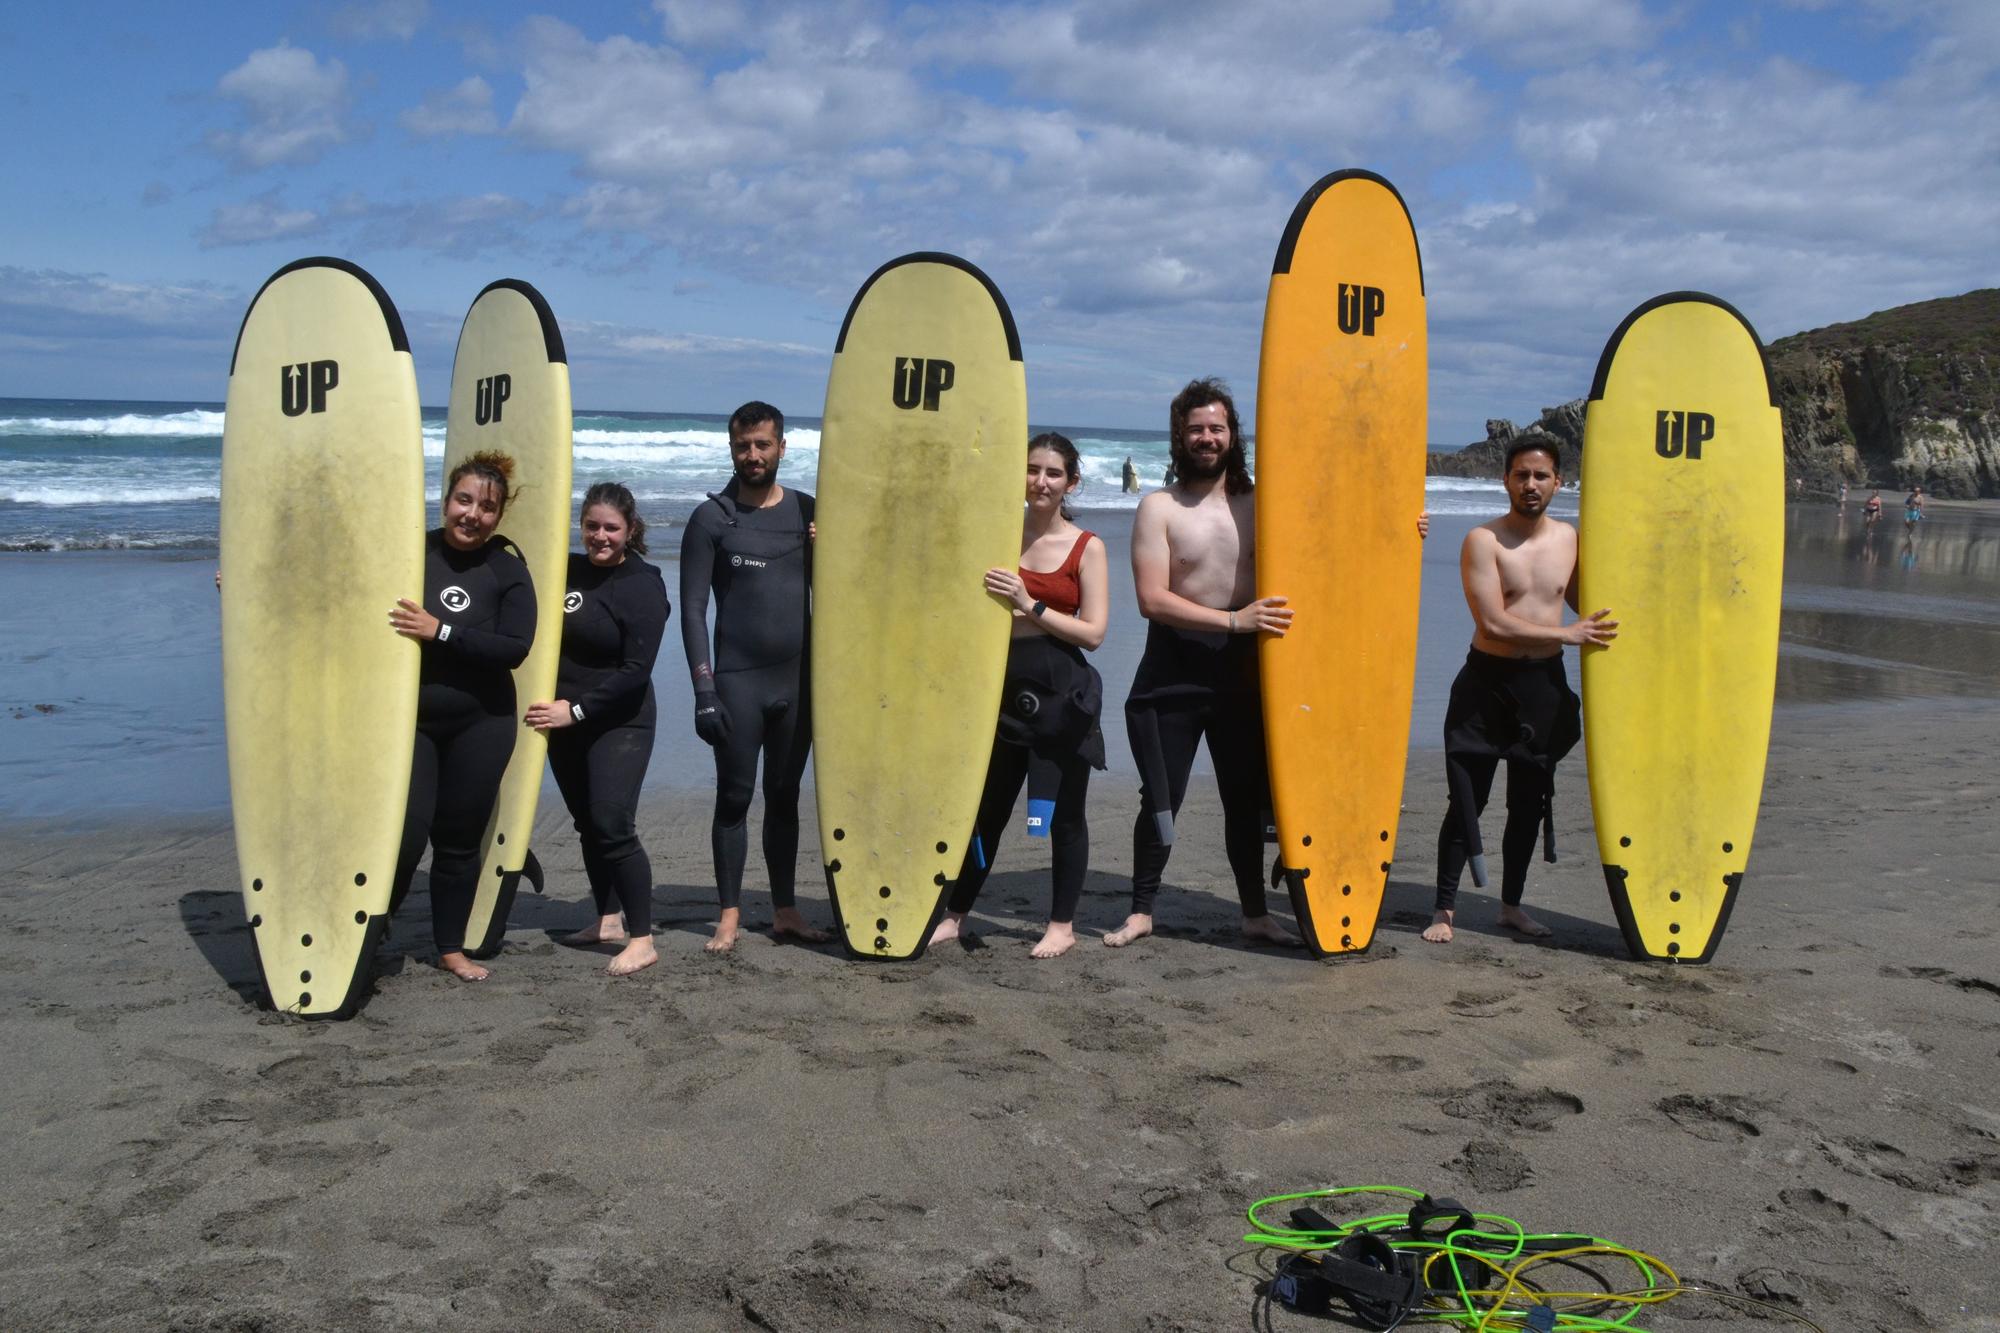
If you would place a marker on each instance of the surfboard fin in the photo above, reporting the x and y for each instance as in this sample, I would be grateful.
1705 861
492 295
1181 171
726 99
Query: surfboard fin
531 870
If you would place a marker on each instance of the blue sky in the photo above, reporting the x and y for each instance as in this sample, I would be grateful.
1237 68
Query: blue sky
699 187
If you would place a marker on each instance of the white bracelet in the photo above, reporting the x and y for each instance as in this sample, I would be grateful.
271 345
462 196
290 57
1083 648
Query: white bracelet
1232 622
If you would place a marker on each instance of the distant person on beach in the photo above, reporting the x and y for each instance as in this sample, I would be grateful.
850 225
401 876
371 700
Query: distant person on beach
1193 567
1913 507
601 723
1842 501
474 626
1048 734
1511 700
751 545
1872 510
1131 476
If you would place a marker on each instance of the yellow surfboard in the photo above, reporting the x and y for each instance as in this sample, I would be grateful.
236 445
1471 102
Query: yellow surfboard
922 454
322 530
1341 418
1682 538
510 392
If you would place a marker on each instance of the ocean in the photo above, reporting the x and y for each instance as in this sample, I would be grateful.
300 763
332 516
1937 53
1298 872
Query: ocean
80 474
110 655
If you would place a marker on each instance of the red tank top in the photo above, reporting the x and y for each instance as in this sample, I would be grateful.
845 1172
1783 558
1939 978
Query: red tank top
1062 587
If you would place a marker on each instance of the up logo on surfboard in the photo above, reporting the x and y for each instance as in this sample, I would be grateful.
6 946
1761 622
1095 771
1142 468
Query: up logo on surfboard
921 382
490 395
454 599
304 386
1359 307
1681 434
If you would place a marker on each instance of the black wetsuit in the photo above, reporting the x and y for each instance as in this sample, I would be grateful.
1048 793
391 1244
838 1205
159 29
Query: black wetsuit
1192 683
759 564
613 621
466 722
1051 744
1521 710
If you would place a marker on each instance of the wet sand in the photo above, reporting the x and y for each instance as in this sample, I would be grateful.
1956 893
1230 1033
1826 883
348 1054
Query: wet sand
784 1139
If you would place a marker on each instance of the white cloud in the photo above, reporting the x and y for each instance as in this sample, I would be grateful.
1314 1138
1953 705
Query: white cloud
293 106
255 220
466 108
1546 32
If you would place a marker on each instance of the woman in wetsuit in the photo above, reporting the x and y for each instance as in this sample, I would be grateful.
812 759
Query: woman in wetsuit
474 626
1048 734
600 727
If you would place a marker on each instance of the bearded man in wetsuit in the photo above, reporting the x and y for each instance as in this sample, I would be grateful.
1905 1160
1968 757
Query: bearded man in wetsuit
1193 566
1511 700
751 544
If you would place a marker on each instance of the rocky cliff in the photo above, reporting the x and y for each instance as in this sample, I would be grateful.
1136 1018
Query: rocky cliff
1909 395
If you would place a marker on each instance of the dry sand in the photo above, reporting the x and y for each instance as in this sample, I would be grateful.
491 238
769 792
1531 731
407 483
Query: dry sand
785 1139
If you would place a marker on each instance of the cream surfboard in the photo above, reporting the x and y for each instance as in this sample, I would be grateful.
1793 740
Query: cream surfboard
1341 409
1682 539
922 454
510 392
322 530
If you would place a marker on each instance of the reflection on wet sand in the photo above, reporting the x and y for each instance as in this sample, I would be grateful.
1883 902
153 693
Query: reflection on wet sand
1889 609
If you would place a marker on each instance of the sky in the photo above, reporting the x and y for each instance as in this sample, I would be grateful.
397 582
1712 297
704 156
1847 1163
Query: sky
699 188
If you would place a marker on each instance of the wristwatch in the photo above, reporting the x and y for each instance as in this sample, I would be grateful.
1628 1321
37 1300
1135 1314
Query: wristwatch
1037 609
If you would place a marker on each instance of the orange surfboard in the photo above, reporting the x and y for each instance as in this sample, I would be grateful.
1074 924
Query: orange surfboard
1341 416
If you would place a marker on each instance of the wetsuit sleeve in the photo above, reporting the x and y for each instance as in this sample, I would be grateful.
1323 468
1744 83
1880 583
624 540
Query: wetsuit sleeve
506 641
642 610
698 546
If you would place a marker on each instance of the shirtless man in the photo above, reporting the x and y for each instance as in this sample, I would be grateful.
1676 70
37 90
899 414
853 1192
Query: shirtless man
1511 700
1193 565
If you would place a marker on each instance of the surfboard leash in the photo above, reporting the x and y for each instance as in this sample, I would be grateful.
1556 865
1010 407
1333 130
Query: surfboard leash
1439 1262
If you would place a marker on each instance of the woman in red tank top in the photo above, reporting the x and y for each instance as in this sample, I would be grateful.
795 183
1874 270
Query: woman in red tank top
1061 601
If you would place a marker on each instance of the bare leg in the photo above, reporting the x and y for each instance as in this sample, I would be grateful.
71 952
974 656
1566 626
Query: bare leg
610 929
1439 930
1137 927
1518 921
787 921
634 957
1266 930
948 929
725 931
1055 941
462 967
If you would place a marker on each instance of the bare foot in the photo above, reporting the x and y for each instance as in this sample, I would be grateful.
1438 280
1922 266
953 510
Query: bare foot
1514 919
1265 930
609 929
1055 941
462 967
1439 930
724 938
1137 927
787 921
634 957
948 929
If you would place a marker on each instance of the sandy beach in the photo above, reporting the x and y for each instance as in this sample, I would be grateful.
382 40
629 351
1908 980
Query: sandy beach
784 1139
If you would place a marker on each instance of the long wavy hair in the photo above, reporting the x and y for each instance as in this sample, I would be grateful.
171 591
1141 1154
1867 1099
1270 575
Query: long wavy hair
1200 393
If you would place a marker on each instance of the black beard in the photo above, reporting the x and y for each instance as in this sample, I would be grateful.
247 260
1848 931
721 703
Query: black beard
1541 507
1194 465
745 479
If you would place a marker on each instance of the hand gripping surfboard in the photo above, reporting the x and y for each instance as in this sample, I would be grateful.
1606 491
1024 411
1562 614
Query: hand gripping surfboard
1342 389
1682 538
922 454
510 392
322 530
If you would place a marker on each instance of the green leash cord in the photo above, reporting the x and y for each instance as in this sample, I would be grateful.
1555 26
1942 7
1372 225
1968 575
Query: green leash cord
1498 1246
